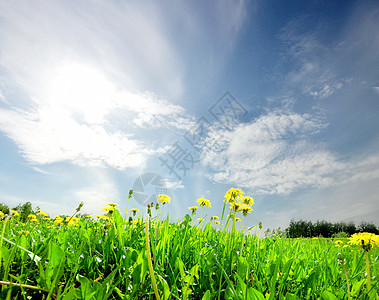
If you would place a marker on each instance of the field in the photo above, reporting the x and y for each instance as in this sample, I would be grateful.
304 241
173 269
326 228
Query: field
127 256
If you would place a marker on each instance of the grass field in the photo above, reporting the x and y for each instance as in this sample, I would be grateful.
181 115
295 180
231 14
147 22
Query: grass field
125 256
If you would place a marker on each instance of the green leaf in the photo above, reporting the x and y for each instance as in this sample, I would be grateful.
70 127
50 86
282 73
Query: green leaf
242 267
253 294
326 295
357 287
207 295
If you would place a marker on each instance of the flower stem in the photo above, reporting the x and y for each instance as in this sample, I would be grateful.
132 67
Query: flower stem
368 273
347 281
150 264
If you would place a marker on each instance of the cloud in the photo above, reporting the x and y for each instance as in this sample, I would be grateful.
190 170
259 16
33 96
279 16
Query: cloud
275 154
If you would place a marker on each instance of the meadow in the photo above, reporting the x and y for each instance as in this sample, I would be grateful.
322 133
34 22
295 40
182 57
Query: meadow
143 255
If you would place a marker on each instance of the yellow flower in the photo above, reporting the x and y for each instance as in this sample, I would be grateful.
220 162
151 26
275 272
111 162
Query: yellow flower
134 211
217 222
41 213
1 213
14 213
203 202
238 219
108 208
232 195
113 204
200 219
33 220
365 240
105 218
193 208
338 242
88 216
31 216
248 200
214 218
164 199
246 209
58 220
72 221
46 219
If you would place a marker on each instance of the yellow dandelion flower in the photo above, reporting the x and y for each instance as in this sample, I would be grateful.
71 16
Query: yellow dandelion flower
108 208
248 200
365 240
193 208
42 213
31 216
203 202
105 218
246 209
1 213
33 220
14 213
238 219
214 218
58 221
217 222
200 219
232 195
134 211
338 242
164 199
113 204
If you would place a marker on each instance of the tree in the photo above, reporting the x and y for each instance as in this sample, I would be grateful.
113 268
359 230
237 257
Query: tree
4 208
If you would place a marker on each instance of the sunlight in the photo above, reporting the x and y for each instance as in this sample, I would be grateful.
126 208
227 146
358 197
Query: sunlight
81 89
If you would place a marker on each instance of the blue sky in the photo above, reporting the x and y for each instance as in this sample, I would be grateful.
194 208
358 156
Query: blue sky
96 94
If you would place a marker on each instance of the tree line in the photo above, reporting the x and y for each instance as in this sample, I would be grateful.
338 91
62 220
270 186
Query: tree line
302 228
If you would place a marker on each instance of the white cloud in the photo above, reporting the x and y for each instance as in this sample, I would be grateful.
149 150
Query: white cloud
274 155
48 136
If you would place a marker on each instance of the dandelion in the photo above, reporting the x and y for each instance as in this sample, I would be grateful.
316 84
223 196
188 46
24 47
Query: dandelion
214 218
14 213
365 240
113 205
105 218
232 195
164 199
248 200
200 219
88 216
31 216
193 208
1 213
33 220
109 209
203 202
42 213
238 219
134 211
71 220
58 220
246 209
217 222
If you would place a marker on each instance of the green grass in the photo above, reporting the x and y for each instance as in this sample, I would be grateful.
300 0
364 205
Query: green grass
100 259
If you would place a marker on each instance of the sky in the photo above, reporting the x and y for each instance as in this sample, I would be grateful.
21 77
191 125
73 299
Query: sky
191 98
